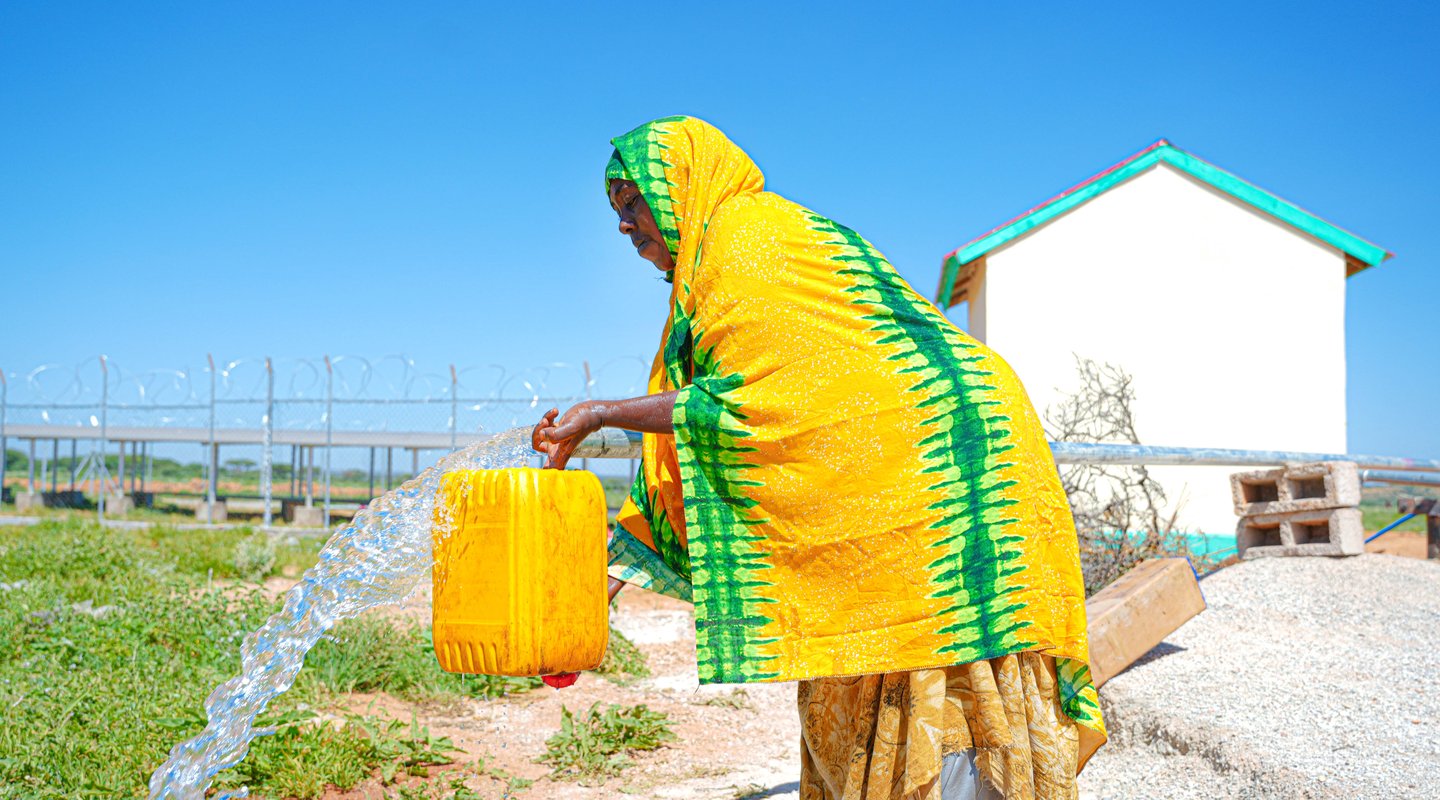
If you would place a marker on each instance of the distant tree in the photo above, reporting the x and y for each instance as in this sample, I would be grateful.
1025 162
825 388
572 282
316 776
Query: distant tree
241 465
16 461
168 469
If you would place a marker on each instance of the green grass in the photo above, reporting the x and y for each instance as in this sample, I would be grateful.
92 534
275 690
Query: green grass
596 744
303 757
1378 506
91 696
616 490
370 654
110 641
212 552
623 663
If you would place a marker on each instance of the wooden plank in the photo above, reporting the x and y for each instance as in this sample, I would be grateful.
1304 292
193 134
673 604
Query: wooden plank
1135 613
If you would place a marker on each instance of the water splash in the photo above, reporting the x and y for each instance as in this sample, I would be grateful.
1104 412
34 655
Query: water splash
377 559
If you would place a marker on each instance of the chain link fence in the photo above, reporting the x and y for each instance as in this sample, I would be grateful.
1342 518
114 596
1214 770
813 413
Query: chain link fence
327 432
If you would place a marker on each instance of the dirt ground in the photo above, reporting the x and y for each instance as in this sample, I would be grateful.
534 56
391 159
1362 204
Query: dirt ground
732 743
1409 544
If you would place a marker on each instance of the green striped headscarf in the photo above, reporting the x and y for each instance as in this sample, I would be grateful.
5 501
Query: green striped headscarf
615 171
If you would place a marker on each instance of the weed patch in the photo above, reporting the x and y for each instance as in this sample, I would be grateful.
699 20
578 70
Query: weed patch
303 755
254 557
623 663
596 744
513 783
737 699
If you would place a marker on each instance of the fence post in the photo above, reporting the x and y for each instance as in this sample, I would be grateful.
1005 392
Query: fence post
4 444
329 429
210 458
267 443
100 476
585 462
454 406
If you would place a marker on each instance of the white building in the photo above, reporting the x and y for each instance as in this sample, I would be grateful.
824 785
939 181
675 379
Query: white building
1225 303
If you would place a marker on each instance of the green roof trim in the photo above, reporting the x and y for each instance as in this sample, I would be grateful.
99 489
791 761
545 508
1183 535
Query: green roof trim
1161 151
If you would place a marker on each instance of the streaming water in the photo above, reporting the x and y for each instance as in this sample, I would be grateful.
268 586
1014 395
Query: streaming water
377 559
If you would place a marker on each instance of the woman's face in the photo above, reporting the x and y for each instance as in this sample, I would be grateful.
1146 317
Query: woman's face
638 223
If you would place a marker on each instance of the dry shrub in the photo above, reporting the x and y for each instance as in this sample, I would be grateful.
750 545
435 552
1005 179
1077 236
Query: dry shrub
1119 509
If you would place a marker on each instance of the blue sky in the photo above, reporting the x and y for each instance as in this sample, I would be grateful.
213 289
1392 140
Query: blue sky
423 178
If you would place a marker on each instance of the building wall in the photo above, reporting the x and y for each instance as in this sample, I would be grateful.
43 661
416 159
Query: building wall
1232 324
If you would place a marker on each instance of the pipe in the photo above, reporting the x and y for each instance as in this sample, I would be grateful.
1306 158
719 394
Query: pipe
614 443
1095 453
1408 478
1397 523
609 443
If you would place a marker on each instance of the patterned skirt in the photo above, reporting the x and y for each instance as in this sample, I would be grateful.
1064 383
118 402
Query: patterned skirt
882 737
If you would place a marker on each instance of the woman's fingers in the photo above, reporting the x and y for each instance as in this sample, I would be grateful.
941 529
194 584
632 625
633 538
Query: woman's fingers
559 438
578 421
567 429
538 441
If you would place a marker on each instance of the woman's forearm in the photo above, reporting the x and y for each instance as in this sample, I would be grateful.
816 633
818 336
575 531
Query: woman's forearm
649 414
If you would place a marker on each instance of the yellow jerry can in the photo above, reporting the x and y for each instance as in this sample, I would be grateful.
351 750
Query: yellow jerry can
519 576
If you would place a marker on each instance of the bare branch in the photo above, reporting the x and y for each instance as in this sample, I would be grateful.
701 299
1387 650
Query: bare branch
1119 510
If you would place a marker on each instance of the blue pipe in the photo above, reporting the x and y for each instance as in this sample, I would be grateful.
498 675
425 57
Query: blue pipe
1397 523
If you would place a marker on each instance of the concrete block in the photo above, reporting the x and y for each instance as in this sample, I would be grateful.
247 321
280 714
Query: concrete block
29 501
1296 487
1133 614
213 515
246 505
309 517
1326 532
119 504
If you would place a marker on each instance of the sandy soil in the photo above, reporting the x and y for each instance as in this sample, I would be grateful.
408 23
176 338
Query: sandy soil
1410 544
732 742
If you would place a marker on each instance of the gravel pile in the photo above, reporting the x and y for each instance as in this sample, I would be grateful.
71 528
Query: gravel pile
1305 677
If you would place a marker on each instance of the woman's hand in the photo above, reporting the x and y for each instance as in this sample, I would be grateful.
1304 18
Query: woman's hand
558 438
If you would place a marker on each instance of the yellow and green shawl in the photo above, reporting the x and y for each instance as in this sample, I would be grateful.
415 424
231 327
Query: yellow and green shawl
854 485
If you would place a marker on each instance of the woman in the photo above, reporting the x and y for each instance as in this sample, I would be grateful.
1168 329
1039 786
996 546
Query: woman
855 494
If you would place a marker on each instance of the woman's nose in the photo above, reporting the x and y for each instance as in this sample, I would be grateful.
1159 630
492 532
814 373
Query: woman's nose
627 227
